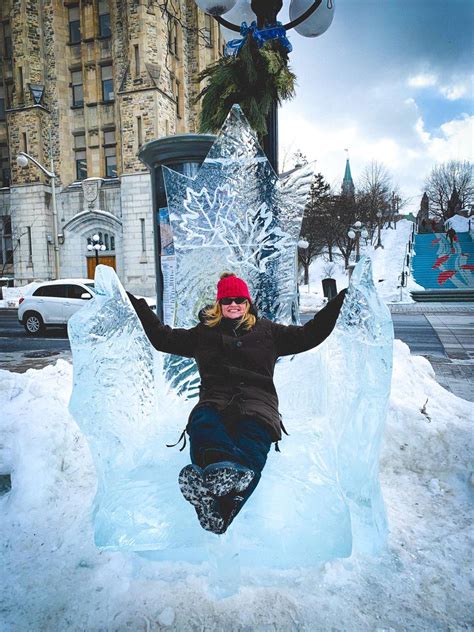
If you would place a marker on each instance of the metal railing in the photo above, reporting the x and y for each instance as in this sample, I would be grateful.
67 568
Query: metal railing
406 265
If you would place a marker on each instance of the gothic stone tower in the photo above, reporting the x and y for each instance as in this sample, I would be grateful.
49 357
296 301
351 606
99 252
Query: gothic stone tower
85 84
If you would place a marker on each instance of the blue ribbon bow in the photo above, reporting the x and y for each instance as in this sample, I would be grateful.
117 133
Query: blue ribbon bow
260 36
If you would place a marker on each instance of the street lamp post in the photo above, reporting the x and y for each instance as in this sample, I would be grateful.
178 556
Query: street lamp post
97 245
310 18
22 161
354 233
303 244
379 243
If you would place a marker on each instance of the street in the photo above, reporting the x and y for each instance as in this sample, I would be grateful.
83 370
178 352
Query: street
13 337
19 352
445 335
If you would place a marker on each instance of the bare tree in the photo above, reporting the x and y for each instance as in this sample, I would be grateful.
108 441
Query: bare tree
313 226
345 213
374 195
442 181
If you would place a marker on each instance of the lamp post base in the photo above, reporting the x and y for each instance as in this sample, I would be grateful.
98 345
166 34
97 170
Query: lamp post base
270 141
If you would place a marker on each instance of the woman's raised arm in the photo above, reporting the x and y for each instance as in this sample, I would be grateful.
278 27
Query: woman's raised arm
164 338
295 339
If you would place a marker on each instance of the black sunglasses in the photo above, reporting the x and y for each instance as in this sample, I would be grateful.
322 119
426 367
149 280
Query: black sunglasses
228 301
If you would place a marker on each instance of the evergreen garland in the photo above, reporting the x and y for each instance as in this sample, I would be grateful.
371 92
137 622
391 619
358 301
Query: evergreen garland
254 78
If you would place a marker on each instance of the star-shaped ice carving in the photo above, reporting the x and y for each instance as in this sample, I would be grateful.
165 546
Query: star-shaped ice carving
237 215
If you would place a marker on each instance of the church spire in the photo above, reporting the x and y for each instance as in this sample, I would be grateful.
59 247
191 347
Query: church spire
348 188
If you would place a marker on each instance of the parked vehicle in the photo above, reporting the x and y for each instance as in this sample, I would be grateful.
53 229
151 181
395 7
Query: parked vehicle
52 303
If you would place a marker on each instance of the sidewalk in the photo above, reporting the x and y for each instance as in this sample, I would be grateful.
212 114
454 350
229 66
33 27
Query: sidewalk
457 376
428 308
453 323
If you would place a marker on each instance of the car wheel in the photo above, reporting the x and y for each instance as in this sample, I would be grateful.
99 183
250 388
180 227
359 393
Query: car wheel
33 324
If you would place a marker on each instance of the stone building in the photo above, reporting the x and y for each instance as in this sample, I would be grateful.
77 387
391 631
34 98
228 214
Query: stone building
454 204
83 84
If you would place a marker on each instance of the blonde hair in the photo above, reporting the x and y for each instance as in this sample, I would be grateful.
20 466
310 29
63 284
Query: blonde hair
213 314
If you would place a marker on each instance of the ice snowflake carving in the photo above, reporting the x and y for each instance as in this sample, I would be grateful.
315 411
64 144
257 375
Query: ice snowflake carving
254 241
237 214
204 216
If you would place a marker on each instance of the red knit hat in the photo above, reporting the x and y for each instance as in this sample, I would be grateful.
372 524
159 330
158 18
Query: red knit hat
232 286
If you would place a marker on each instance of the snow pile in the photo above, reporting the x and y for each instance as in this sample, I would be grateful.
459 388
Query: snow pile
387 265
11 295
54 579
460 223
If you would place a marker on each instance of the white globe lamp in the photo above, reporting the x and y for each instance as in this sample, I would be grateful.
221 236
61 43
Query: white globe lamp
318 22
216 7
242 12
22 161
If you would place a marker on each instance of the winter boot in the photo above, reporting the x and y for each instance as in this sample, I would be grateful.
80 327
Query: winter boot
227 477
229 507
195 491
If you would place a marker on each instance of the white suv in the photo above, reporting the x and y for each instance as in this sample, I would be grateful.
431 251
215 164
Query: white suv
53 303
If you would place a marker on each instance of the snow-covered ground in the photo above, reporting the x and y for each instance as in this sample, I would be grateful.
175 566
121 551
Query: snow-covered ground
387 263
460 223
53 578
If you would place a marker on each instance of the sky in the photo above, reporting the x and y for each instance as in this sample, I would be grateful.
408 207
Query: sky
391 81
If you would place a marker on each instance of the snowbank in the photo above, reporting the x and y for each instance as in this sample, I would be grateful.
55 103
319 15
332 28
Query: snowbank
387 265
54 579
459 223
11 295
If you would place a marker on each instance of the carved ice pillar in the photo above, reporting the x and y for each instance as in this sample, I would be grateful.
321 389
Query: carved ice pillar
185 154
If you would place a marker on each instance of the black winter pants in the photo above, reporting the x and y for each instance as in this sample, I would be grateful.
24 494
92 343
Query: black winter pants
245 441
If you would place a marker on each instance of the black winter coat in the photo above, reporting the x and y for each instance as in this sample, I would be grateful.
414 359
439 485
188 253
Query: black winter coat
236 366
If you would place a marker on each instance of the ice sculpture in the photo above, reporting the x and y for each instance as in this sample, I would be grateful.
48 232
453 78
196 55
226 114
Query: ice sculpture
320 497
335 400
317 499
235 214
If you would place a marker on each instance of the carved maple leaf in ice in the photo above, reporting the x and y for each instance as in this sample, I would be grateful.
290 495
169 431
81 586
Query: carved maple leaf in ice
254 240
201 222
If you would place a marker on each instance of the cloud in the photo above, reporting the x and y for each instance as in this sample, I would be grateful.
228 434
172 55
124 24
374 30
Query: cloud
454 141
398 92
420 130
408 158
451 88
422 80
459 89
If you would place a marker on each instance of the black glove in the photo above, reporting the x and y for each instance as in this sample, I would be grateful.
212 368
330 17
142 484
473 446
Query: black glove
138 303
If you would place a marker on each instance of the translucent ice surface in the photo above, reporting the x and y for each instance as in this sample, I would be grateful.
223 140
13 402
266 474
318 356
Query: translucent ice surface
318 499
237 215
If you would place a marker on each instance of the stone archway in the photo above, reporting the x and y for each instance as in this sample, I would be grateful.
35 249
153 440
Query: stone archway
76 259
